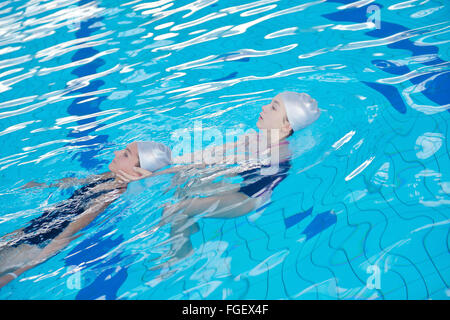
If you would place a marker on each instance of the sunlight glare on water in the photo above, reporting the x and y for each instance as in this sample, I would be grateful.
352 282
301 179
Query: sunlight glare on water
369 182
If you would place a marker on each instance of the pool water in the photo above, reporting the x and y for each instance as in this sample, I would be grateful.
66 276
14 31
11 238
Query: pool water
364 210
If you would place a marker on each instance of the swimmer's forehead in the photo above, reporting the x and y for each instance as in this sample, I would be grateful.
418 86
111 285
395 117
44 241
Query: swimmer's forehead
132 148
278 100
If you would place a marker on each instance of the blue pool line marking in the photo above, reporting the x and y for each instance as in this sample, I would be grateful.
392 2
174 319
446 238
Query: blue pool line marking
89 250
87 158
321 222
233 74
108 282
390 93
296 218
228 77
358 15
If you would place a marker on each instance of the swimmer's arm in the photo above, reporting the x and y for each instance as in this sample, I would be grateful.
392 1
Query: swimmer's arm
72 181
125 177
200 156
179 168
205 156
64 182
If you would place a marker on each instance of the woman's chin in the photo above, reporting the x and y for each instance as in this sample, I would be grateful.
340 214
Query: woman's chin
260 125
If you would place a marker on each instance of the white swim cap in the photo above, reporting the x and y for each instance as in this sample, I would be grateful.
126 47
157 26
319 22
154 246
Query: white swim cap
153 155
301 109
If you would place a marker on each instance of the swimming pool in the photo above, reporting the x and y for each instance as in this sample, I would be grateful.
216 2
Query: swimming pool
363 213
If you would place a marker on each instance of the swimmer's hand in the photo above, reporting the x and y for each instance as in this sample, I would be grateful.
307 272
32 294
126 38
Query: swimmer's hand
126 177
34 184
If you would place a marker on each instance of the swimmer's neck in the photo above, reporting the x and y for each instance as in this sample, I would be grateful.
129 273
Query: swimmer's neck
110 174
271 138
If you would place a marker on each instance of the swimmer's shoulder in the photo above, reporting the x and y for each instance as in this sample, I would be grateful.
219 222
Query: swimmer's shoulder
103 181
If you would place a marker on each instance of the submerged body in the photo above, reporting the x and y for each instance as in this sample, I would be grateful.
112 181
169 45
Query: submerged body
56 227
255 183
287 112
58 223
44 236
53 221
229 200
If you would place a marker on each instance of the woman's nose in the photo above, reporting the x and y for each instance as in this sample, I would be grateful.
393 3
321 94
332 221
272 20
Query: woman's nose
116 153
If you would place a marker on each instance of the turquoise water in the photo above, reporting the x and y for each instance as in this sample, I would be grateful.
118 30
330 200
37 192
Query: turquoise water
365 202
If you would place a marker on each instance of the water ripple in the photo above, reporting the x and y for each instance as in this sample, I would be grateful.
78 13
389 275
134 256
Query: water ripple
79 79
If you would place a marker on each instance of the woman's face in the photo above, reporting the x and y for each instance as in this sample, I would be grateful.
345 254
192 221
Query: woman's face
273 116
125 160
